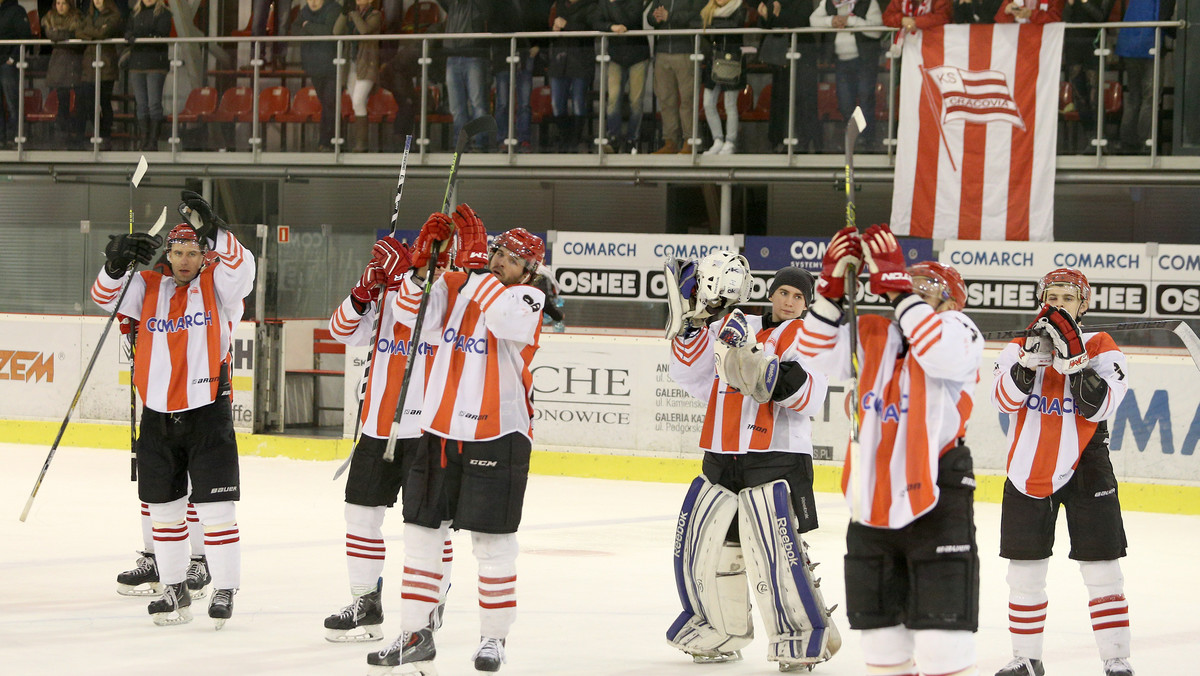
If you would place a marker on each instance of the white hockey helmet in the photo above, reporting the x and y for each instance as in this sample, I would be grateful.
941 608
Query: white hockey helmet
722 278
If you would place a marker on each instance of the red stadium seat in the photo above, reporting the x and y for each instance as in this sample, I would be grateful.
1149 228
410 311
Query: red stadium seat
382 107
272 102
237 105
306 107
201 103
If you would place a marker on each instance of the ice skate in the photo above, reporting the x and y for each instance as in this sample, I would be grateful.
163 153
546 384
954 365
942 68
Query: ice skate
142 580
490 654
220 607
365 613
1023 666
715 656
173 607
1118 666
198 577
412 653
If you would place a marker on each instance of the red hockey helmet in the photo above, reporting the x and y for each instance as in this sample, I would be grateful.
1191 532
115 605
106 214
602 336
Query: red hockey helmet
522 244
183 233
1065 277
947 283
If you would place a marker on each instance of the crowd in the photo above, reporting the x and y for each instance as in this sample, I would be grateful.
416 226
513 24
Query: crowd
474 77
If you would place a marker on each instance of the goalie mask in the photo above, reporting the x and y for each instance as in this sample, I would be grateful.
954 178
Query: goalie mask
722 279
932 280
1066 277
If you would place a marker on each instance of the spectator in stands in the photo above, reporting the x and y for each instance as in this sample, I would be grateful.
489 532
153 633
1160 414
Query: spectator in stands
625 71
1136 47
916 15
572 67
1080 59
364 19
148 65
773 52
1030 11
720 79
62 74
14 25
467 63
321 17
102 21
674 84
260 11
401 75
976 11
513 16
857 68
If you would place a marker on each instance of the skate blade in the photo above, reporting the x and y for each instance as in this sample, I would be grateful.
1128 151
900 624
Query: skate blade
182 616
734 656
154 589
219 622
198 593
370 632
792 667
411 669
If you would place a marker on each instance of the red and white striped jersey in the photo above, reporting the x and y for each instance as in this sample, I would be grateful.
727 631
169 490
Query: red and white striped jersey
735 423
390 359
915 381
1045 435
485 335
184 332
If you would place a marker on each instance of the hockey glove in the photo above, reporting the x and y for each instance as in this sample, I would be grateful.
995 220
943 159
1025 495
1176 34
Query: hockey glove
1070 354
367 290
193 203
472 239
886 260
437 230
844 250
122 250
1037 352
393 257
745 367
684 318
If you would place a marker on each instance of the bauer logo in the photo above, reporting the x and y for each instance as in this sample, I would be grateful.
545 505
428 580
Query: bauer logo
26 366
1176 300
594 283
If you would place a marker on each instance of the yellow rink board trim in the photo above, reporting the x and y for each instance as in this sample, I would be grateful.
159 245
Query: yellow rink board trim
1143 497
240 383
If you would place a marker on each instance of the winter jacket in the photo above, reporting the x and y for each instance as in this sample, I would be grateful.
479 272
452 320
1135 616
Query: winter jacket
146 23
939 13
14 25
317 57
625 51
977 11
680 14
467 16
1136 43
574 57
63 70
100 25
792 14
366 53
1044 11
512 16
849 45
1078 45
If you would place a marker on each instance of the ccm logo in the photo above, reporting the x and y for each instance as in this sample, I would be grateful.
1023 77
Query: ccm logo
482 463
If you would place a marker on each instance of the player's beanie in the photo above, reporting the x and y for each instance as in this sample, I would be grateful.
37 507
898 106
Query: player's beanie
794 277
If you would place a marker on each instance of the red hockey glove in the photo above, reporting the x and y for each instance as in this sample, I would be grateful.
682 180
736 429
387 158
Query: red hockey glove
472 239
370 284
886 260
1070 354
439 228
844 250
393 257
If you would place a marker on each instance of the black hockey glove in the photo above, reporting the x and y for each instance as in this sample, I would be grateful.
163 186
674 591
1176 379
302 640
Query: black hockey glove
194 202
122 250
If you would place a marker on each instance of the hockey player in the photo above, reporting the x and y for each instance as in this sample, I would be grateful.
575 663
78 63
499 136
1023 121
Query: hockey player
185 320
472 463
757 442
1059 389
912 565
373 483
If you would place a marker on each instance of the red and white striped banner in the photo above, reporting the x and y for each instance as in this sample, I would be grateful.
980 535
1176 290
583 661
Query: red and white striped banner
975 155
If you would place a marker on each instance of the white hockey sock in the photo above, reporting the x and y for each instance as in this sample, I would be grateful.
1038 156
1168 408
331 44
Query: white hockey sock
365 549
147 529
888 651
447 566
222 543
170 540
423 578
497 557
945 652
1027 603
1108 607
195 531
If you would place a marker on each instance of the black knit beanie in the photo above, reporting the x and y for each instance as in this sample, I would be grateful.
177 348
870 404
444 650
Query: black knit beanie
794 277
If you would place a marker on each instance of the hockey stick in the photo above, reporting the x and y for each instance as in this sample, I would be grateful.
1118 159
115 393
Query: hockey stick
138 173
366 376
857 477
87 372
480 125
1176 326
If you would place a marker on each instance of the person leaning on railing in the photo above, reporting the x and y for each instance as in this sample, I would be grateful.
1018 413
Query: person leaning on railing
467 62
1137 48
976 11
674 82
101 21
62 74
857 62
321 17
148 68
625 71
773 52
363 18
572 68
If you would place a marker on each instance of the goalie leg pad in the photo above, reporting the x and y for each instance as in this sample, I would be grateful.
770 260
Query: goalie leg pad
710 576
799 623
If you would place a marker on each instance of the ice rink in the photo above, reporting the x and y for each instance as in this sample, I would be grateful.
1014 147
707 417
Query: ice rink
595 586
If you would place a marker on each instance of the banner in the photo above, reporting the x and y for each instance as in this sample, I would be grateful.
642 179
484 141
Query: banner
976 146
615 266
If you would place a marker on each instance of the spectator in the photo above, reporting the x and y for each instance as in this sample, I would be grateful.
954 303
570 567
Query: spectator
773 52
321 17
259 13
1080 60
626 70
513 16
976 11
571 69
467 63
1137 48
148 68
62 74
102 21
364 19
916 15
674 83
14 25
1030 11
857 69
725 51
401 76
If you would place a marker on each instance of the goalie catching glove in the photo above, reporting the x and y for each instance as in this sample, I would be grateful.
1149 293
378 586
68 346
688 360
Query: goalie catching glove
742 363
699 292
1070 354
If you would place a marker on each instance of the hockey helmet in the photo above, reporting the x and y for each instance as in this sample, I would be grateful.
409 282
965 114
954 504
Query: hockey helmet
522 244
183 233
1065 277
722 278
944 282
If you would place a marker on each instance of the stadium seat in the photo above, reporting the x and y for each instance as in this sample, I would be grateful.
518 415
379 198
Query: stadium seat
34 104
827 105
1066 102
273 101
200 105
1113 98
306 107
237 105
382 107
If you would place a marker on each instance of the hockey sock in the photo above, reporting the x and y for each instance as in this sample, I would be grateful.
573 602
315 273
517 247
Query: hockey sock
170 540
944 652
888 651
447 565
222 543
147 529
365 549
497 557
423 578
1027 603
1108 607
195 531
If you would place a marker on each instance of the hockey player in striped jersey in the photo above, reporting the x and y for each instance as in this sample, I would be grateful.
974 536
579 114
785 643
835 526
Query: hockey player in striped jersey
757 441
912 565
373 484
185 323
472 462
1059 389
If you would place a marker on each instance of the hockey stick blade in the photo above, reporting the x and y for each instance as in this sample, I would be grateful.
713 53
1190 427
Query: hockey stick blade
138 173
858 121
1190 341
158 225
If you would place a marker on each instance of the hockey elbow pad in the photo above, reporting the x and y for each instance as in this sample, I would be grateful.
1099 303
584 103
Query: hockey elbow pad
792 377
1089 391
